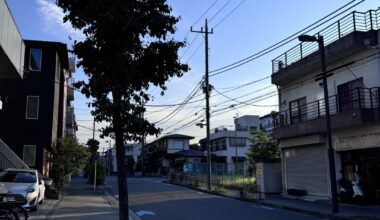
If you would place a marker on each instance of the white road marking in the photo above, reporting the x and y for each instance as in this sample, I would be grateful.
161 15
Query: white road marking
267 207
144 212
167 184
264 207
200 193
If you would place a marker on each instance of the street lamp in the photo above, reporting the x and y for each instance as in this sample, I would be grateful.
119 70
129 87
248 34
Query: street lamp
333 185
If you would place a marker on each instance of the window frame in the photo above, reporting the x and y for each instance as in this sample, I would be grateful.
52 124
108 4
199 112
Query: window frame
30 59
243 142
35 154
27 104
300 110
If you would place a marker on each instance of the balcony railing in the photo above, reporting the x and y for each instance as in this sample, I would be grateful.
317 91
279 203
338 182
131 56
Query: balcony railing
359 98
355 21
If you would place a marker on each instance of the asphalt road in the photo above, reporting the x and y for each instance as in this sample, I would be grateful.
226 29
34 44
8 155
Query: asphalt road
150 198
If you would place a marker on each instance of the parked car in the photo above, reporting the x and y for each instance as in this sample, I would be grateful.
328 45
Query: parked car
28 183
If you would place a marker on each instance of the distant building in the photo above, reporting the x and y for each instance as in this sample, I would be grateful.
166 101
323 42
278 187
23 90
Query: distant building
231 146
266 123
169 152
132 152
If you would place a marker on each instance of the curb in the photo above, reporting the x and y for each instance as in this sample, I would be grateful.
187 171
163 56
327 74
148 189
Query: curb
114 203
282 207
54 207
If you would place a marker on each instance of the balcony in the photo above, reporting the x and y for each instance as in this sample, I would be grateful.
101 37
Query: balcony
352 108
12 47
70 90
355 32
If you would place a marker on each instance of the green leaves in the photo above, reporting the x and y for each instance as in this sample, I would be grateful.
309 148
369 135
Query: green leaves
263 148
128 47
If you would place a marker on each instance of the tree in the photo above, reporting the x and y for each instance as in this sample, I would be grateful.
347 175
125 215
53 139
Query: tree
195 147
93 145
128 47
262 148
68 157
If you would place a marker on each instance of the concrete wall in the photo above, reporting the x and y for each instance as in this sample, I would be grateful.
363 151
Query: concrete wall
10 40
177 144
312 90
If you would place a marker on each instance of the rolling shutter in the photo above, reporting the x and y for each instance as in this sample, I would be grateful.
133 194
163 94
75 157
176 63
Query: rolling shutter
306 169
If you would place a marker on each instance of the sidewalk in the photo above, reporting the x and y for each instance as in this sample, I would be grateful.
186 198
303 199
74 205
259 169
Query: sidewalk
322 209
83 203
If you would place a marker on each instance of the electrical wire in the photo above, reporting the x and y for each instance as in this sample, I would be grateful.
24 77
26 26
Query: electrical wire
283 42
232 11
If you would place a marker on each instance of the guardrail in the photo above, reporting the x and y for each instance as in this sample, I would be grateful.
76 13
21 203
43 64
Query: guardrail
359 98
355 21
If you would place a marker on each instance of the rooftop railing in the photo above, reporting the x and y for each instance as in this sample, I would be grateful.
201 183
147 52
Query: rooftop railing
359 98
355 21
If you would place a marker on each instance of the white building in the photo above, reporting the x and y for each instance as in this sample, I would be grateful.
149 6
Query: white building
132 151
354 97
231 146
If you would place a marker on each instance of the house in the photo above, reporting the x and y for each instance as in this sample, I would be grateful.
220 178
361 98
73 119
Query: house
231 146
132 152
266 123
169 152
33 117
352 52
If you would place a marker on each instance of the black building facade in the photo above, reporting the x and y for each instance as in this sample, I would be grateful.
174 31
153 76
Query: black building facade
33 114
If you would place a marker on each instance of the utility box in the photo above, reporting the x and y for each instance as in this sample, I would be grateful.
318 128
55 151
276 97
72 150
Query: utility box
268 177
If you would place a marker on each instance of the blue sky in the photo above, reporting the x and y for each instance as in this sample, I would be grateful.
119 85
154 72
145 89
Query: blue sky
252 27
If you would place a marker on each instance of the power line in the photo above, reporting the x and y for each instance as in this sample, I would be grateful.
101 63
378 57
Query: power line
225 17
282 42
221 9
195 51
236 100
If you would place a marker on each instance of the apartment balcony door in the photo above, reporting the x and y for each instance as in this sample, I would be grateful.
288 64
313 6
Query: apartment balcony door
350 95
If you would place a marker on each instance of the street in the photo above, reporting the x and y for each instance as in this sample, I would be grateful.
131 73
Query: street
151 198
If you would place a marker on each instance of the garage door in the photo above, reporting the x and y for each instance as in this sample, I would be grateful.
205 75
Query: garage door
306 169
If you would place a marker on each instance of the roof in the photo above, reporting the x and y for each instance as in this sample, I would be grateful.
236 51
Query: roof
177 136
172 136
191 153
60 47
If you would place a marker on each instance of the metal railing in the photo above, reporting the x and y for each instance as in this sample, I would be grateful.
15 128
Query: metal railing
355 21
359 98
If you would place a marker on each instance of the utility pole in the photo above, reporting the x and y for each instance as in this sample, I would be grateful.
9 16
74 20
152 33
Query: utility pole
142 153
206 90
334 195
330 149
95 156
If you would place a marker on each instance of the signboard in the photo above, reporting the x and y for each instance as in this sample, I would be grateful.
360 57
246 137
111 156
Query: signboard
357 142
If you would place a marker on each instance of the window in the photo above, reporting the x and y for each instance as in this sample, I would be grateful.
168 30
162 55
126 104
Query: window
218 144
29 155
298 110
348 94
32 105
35 59
237 141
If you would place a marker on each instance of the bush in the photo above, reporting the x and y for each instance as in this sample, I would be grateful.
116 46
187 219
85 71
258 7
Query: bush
100 173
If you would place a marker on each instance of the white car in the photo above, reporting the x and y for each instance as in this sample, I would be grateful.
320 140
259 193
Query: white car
28 183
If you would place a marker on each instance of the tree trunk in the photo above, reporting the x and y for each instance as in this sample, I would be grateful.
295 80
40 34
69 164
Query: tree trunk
120 159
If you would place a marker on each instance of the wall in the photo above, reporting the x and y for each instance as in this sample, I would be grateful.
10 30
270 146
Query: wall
313 91
177 144
10 41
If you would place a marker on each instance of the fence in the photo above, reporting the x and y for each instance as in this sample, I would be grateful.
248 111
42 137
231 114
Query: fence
355 21
358 98
222 175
